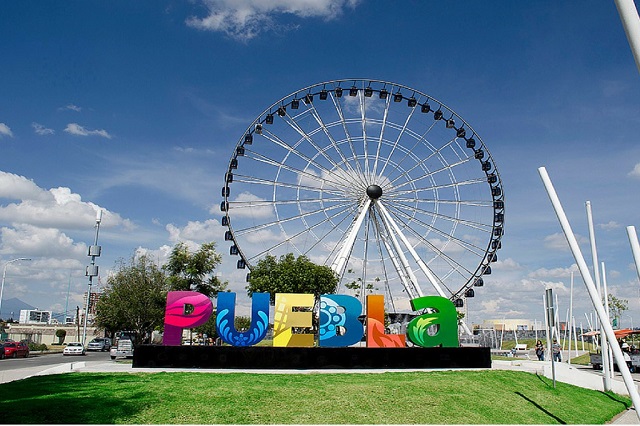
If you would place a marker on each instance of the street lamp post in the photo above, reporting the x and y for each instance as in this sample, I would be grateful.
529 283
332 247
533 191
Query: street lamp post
4 275
91 271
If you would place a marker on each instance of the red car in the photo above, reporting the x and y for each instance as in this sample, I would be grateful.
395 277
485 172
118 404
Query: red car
16 349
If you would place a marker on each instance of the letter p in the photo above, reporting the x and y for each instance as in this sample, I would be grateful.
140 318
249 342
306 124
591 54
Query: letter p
177 317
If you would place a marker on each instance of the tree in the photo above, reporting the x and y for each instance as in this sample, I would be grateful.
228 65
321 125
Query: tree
61 334
134 298
291 275
356 285
194 271
617 307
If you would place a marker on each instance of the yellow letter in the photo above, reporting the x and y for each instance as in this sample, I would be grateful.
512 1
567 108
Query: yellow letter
284 318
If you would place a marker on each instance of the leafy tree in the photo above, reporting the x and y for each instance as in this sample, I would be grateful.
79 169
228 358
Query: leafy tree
61 334
291 275
617 307
356 286
134 298
242 322
208 328
194 271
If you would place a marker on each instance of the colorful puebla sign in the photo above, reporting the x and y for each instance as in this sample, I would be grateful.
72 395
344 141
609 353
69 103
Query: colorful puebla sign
339 325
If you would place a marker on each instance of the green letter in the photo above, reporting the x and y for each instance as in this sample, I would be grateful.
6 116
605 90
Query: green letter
440 327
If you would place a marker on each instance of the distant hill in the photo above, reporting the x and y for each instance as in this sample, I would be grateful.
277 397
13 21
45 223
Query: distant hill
14 305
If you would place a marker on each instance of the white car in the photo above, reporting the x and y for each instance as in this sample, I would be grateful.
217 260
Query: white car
73 348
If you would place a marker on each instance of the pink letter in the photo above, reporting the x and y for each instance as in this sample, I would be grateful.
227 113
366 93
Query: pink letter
176 317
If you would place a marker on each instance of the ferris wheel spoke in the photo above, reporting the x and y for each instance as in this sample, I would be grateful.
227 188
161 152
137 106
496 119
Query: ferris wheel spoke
294 125
300 173
263 203
383 126
448 238
332 140
250 180
419 139
401 133
349 139
455 184
291 150
470 203
452 219
446 167
302 232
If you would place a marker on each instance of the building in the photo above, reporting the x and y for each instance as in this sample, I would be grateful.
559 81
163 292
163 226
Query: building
93 302
33 316
46 333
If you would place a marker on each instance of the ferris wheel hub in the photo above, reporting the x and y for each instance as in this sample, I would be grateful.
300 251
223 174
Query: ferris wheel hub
374 192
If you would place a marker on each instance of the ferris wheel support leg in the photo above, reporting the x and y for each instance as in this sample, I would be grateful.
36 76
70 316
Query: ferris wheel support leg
406 281
340 262
411 286
631 24
421 264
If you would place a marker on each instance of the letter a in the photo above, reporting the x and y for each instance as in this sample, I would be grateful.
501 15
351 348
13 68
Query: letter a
439 327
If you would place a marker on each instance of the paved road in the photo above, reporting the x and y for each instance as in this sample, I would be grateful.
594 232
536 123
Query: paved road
46 360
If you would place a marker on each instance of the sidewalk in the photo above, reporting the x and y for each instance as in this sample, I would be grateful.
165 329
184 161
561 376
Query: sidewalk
575 375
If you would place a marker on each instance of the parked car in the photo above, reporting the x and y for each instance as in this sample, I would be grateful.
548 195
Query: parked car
99 344
73 348
1 350
123 347
16 349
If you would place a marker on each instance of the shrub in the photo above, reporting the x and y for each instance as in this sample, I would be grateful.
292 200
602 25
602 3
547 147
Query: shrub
37 347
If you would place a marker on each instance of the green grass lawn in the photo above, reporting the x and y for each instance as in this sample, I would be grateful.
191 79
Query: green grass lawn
440 397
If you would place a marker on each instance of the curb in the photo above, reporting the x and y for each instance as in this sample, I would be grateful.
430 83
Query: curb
64 368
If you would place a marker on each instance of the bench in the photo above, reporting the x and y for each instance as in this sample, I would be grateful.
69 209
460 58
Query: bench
521 347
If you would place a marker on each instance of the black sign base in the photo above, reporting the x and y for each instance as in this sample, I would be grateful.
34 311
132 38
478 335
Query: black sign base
267 357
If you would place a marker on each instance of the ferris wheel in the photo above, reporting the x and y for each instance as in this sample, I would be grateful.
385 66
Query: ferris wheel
386 185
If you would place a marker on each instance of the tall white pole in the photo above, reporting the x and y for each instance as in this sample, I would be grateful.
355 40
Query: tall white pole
606 308
575 335
92 271
546 326
570 317
591 288
635 247
4 275
594 255
631 23
557 319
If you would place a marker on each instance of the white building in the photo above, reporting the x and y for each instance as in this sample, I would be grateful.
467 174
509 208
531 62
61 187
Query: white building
34 317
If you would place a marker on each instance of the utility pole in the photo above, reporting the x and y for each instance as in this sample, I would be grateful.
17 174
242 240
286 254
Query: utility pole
92 271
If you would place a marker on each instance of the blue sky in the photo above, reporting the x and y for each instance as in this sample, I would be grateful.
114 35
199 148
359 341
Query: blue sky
136 107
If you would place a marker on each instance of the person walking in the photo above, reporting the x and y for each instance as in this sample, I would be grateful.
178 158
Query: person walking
540 350
555 348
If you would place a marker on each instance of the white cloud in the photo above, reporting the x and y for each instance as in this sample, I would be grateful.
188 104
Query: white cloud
553 273
635 173
70 107
39 242
78 130
244 20
609 225
195 233
54 208
558 241
5 130
41 130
